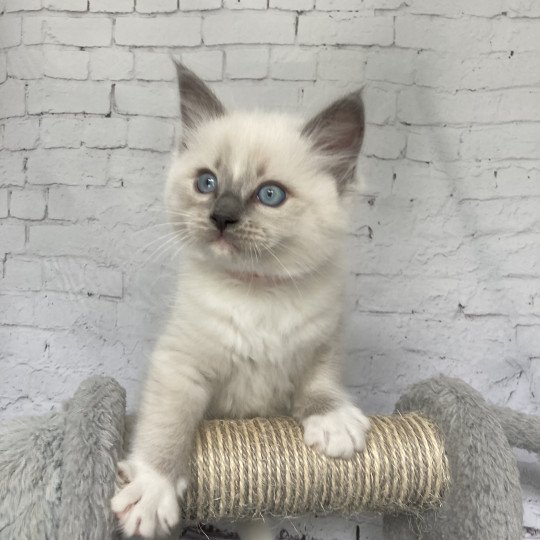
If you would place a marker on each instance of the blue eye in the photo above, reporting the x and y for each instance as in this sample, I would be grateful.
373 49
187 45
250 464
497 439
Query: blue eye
206 182
271 195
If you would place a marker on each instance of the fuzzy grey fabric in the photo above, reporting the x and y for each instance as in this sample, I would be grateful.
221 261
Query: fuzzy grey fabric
484 499
57 472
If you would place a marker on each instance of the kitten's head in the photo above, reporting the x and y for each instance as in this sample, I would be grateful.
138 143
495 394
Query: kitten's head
259 193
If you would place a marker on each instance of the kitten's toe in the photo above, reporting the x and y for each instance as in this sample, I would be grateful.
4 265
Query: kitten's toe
147 506
338 433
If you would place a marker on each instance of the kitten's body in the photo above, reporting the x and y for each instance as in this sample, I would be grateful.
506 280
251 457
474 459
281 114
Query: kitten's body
255 329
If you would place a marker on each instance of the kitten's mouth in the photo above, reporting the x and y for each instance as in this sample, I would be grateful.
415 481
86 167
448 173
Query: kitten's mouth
223 244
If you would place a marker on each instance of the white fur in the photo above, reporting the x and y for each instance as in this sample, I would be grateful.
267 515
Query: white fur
148 505
337 434
256 324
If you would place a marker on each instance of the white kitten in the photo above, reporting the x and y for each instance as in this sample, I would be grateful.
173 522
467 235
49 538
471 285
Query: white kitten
259 202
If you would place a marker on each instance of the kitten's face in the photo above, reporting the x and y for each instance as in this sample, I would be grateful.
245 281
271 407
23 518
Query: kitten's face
251 193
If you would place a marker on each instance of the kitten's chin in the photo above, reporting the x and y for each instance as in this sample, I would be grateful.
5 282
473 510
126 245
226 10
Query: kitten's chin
223 247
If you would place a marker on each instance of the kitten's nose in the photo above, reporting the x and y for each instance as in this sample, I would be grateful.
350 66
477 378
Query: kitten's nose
221 221
227 210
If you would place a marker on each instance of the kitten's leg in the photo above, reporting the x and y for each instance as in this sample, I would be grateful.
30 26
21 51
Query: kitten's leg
156 471
332 424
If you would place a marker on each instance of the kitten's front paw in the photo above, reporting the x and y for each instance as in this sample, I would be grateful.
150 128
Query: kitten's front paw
147 505
338 433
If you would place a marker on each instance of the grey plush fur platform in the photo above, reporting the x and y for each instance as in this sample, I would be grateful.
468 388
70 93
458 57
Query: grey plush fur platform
57 472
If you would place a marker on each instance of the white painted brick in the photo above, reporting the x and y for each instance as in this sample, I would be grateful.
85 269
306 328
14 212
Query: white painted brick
10 31
133 168
12 168
387 142
22 5
51 96
32 30
496 70
16 308
507 296
3 203
27 204
528 339
458 8
22 274
523 8
376 177
207 64
343 5
171 31
345 29
104 132
498 216
293 63
155 99
156 6
191 5
502 142
150 134
247 63
25 63
342 64
415 180
3 67
520 104
74 167
295 5
154 66
56 310
486 181
12 237
380 104
81 32
433 144
63 64
249 27
267 95
466 36
111 64
65 5
391 65
81 277
60 240
244 4
12 99
21 133
516 34
112 6
61 132
321 93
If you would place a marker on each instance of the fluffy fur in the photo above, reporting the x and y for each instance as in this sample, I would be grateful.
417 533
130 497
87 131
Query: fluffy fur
256 325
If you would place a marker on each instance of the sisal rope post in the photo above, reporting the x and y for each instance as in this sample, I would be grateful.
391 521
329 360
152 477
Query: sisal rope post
261 467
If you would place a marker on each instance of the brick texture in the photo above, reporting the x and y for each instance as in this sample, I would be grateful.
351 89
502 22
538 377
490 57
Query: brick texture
444 256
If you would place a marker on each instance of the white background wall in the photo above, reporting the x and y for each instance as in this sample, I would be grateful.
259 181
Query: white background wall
445 244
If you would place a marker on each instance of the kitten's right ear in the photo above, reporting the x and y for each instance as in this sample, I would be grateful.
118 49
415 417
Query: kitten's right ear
197 102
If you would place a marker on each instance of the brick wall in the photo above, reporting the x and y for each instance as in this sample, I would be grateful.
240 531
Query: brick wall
446 232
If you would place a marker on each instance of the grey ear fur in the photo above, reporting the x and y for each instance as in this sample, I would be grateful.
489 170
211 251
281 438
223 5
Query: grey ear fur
337 133
197 101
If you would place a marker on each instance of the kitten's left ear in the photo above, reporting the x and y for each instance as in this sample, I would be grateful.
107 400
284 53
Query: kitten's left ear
337 133
198 103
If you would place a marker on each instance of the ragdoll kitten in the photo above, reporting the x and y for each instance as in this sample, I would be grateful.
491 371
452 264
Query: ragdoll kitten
258 199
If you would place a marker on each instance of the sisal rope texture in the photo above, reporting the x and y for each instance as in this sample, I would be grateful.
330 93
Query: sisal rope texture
261 467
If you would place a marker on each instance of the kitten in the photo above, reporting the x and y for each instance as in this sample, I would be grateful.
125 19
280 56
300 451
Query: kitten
259 200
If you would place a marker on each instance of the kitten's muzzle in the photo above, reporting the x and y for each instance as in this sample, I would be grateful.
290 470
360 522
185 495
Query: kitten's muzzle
222 222
227 211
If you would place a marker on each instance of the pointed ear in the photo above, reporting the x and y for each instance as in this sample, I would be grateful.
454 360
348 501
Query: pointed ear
197 102
337 133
